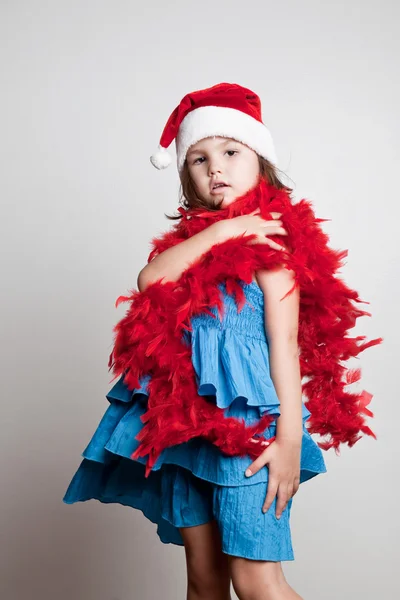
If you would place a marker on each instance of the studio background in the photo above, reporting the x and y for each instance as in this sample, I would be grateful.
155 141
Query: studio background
86 90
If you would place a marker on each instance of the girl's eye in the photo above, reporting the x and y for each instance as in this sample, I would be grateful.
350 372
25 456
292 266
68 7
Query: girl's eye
201 158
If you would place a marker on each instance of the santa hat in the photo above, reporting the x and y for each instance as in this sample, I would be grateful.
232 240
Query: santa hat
226 110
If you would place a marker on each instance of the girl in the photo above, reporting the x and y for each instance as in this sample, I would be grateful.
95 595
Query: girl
231 513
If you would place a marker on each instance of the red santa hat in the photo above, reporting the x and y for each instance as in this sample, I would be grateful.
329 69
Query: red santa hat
226 110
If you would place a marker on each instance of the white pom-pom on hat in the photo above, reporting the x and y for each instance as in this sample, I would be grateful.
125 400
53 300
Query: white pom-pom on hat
161 159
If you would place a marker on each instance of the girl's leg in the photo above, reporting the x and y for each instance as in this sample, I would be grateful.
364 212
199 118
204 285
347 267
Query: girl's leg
259 580
208 573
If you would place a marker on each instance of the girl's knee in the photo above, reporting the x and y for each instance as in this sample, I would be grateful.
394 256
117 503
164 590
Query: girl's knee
249 576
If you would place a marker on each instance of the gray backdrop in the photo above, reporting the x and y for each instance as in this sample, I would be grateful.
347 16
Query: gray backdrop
86 90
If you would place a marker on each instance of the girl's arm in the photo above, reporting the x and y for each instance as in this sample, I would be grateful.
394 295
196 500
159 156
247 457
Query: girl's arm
281 325
171 263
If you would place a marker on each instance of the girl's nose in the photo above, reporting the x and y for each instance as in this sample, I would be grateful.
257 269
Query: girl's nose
213 168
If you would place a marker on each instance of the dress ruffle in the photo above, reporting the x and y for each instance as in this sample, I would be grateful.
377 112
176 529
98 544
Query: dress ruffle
231 363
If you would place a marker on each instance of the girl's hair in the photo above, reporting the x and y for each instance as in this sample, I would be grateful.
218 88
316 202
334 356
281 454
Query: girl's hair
189 199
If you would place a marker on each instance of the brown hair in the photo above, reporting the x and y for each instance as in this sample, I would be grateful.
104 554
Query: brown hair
188 196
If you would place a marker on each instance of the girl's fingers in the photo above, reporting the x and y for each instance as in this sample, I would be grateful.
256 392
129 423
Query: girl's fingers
274 215
264 443
257 464
264 239
284 493
296 485
271 493
277 231
274 223
290 490
254 467
284 497
273 244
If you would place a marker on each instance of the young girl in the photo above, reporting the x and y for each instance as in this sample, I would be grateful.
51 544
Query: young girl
231 513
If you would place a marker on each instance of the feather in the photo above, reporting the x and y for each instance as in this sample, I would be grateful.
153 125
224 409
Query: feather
149 339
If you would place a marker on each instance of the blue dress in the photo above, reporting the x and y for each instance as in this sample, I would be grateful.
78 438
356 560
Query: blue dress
194 482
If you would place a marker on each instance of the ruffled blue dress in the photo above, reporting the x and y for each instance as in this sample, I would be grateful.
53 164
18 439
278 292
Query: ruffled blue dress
194 482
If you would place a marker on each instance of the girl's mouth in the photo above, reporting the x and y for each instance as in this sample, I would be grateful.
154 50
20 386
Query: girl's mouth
219 189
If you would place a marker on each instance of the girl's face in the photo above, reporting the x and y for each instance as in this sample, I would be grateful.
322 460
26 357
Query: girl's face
220 159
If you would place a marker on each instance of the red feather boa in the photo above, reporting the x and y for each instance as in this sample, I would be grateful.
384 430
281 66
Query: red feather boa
149 338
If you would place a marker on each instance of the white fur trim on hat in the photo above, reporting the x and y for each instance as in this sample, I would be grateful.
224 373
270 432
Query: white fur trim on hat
207 121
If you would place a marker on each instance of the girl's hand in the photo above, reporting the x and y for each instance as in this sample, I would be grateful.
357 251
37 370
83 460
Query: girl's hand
253 223
283 459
